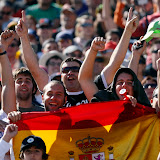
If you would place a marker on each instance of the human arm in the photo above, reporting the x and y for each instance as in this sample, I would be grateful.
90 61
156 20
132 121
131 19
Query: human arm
86 70
119 53
8 90
106 15
40 76
136 54
10 131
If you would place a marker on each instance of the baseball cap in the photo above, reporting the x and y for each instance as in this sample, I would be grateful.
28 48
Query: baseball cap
153 31
63 35
33 141
44 22
71 49
45 57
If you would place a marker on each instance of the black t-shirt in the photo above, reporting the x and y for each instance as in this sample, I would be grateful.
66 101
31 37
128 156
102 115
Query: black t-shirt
75 99
101 82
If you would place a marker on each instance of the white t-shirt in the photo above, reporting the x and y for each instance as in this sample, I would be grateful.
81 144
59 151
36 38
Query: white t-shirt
4 146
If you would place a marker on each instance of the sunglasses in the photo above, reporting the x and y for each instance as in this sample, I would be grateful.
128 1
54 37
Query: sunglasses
149 85
73 69
6 13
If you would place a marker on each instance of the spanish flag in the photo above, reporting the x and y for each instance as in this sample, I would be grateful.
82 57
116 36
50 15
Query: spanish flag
98 131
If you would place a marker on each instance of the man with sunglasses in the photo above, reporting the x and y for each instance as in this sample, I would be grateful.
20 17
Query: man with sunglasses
69 75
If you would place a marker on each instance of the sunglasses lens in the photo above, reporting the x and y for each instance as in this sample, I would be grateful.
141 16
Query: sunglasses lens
73 69
149 85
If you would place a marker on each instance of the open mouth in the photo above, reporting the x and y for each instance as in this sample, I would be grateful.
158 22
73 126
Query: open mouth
70 78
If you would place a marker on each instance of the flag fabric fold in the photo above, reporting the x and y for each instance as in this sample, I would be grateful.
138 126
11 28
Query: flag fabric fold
97 131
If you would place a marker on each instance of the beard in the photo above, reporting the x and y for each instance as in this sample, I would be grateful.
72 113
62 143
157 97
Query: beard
23 97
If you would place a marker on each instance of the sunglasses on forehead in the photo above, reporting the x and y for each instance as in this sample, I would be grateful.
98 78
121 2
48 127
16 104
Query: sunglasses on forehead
73 69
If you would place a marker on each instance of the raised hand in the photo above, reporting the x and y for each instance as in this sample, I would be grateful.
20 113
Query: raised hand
132 22
6 38
141 49
133 100
11 130
21 27
98 44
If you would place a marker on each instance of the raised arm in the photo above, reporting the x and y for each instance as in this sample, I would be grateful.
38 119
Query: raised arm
106 15
136 54
119 53
40 76
86 71
8 91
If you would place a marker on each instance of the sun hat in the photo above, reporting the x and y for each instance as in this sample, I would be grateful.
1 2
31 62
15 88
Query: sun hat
45 57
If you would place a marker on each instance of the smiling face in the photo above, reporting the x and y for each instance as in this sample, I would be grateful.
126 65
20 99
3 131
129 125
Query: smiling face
54 96
124 81
23 87
70 78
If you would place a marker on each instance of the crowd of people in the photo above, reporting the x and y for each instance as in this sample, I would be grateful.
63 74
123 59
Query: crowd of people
63 53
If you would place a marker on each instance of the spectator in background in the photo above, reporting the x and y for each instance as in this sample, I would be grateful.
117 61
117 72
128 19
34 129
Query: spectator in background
73 51
44 30
31 22
34 40
6 10
14 58
92 5
149 84
67 19
52 61
79 6
63 39
48 45
84 30
113 35
45 9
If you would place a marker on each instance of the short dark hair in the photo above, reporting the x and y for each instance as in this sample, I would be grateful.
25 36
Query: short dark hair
25 71
55 82
70 59
44 155
50 40
54 57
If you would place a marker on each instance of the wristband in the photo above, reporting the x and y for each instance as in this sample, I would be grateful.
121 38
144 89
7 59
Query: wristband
3 53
